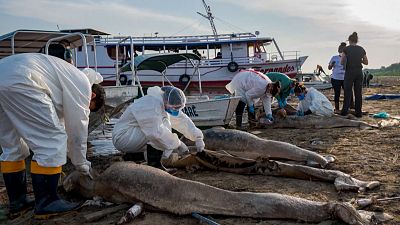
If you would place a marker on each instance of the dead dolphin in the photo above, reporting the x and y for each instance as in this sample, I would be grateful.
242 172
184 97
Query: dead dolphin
250 146
222 161
127 182
315 122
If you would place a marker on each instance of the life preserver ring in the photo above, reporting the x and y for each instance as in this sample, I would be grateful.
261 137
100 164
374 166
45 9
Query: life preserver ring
123 79
184 79
233 67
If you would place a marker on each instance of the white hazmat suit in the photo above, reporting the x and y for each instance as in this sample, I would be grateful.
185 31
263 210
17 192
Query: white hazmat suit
251 86
316 102
44 106
147 122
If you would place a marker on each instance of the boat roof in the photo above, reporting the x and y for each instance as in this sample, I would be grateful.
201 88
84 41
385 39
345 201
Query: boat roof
26 41
85 31
183 41
158 62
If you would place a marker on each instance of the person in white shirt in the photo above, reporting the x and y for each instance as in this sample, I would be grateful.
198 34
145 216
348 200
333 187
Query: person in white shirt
312 102
337 77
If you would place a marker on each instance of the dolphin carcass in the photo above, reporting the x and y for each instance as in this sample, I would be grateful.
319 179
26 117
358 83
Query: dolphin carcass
250 146
127 182
222 161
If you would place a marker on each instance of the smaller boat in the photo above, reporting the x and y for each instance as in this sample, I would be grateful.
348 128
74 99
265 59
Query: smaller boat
204 110
315 80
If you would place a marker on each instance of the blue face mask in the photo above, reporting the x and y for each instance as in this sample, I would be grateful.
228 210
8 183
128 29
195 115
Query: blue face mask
291 91
301 96
172 112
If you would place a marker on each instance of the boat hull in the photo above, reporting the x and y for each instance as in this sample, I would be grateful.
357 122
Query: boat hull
211 112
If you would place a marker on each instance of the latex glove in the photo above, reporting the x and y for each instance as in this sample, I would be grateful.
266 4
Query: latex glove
84 170
251 109
300 113
183 149
200 145
282 103
270 118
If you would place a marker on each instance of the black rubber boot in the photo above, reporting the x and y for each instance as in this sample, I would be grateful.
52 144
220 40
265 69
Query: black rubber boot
47 202
16 191
134 156
239 119
154 159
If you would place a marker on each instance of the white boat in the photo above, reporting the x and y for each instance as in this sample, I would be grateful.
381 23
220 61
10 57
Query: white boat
205 111
222 55
315 80
29 41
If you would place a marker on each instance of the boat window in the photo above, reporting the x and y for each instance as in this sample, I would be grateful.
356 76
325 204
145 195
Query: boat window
111 52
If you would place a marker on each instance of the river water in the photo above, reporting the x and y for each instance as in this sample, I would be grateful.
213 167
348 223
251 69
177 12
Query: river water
100 140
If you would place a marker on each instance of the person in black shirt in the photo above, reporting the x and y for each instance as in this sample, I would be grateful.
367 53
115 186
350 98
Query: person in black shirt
352 59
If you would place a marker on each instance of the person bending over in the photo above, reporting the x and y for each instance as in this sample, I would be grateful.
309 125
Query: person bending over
252 86
44 107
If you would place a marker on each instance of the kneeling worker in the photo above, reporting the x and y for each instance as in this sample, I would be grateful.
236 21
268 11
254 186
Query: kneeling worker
44 106
312 102
148 121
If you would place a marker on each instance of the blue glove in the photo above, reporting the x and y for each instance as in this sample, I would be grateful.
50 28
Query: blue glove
300 113
269 117
251 109
282 103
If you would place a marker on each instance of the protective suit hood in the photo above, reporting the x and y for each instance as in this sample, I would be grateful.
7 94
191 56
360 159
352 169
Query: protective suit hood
93 76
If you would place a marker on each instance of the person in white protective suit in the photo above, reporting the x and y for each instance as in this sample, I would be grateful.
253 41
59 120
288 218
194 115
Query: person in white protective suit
148 121
312 102
44 106
252 86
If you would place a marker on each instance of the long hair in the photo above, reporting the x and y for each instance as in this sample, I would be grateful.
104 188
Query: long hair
353 38
341 47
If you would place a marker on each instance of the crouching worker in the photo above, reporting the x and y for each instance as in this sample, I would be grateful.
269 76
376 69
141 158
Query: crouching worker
44 106
148 121
312 102
287 88
252 86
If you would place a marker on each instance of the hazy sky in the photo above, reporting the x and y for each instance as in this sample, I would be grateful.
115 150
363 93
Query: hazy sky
313 27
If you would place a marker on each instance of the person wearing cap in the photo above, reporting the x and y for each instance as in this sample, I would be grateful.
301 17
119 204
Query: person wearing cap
252 86
44 107
287 87
148 123
312 102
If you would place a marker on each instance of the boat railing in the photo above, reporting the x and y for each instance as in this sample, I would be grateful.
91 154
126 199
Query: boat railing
275 56
240 60
179 39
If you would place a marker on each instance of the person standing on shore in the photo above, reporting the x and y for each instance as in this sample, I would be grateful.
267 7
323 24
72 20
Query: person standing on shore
352 59
337 74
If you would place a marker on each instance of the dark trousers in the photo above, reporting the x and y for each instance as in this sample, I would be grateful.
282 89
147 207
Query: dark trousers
337 86
353 79
239 113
